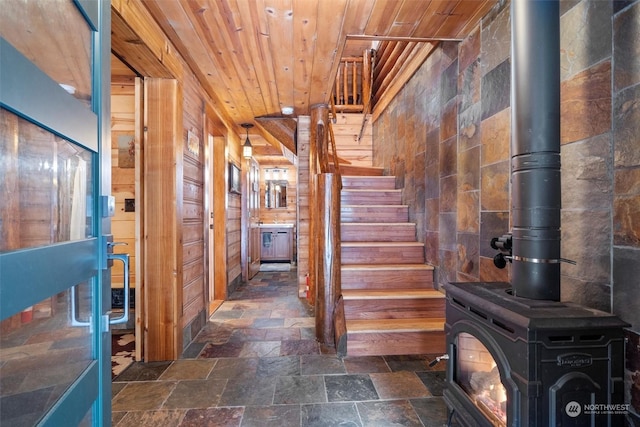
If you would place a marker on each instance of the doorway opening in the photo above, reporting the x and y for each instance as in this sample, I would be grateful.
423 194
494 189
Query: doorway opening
126 188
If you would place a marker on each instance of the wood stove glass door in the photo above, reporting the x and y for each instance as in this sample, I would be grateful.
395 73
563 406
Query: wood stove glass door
477 374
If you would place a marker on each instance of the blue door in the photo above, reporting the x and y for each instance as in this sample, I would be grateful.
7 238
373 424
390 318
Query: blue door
54 213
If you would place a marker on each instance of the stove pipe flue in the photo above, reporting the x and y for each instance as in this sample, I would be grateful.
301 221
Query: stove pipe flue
535 149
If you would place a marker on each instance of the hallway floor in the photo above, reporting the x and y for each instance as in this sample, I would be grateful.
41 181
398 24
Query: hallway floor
257 363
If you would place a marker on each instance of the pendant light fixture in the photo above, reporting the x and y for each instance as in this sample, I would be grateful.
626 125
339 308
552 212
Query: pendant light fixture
247 149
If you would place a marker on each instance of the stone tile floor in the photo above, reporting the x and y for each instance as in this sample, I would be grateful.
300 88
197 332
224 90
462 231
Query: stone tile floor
257 363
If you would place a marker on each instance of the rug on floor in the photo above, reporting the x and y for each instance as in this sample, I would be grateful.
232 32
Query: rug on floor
275 266
123 348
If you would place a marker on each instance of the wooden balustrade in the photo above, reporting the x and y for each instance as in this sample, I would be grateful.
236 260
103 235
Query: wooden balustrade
352 89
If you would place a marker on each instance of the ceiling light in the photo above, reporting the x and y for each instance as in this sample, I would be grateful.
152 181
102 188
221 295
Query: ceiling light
287 111
247 149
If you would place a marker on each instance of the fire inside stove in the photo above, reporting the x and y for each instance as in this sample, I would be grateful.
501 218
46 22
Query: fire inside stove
477 374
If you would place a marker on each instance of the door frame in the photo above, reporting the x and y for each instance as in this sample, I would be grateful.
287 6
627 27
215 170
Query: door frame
29 93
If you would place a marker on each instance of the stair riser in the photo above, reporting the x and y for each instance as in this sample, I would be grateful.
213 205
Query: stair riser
394 309
395 343
363 182
383 255
386 279
370 198
353 232
374 214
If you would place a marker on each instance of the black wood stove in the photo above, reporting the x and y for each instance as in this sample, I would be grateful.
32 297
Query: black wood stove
517 355
523 362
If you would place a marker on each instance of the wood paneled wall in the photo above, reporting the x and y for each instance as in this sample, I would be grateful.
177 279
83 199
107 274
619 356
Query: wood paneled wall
304 214
234 219
193 227
123 106
346 131
177 290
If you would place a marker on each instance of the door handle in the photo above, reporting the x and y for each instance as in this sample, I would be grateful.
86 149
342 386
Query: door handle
127 287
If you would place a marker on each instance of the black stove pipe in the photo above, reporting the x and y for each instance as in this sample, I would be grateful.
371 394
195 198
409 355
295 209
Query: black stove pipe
535 149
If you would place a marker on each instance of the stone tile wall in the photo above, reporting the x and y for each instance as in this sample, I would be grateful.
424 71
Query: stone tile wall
447 136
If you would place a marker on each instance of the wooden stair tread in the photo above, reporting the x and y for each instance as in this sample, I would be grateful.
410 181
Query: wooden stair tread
351 294
379 244
372 190
381 224
395 325
372 206
368 267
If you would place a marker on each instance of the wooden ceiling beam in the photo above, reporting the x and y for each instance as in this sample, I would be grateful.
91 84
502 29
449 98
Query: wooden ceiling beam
279 130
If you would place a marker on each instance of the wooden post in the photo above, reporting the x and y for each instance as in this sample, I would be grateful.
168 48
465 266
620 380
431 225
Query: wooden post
328 256
319 113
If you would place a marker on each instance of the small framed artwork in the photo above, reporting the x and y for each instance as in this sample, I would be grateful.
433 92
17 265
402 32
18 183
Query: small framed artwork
234 179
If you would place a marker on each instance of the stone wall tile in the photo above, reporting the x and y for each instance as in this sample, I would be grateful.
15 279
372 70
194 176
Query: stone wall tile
496 137
447 271
449 82
469 49
588 294
496 89
469 86
448 193
495 187
432 148
431 247
626 207
626 271
490 273
626 118
627 182
585 36
432 214
586 239
494 224
469 169
447 231
586 173
449 120
448 157
496 40
469 123
468 255
431 182
585 103
626 48
468 211
626 217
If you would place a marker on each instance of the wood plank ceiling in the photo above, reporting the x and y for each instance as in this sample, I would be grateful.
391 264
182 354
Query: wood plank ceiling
257 56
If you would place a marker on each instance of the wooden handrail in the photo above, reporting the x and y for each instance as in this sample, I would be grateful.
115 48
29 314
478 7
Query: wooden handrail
324 245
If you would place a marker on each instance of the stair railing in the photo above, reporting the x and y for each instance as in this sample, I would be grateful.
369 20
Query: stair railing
352 88
325 254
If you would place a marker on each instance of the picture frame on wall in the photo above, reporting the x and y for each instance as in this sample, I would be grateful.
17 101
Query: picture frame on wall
234 179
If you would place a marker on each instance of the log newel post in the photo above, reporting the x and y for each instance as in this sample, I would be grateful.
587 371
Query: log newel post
328 266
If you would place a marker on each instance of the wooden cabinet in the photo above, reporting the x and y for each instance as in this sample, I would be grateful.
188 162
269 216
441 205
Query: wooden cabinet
276 244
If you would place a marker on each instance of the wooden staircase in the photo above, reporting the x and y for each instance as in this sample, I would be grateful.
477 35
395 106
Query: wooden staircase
390 305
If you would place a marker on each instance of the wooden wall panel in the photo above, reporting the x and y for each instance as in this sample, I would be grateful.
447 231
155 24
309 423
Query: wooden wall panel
163 262
234 215
193 200
303 216
346 131
123 175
